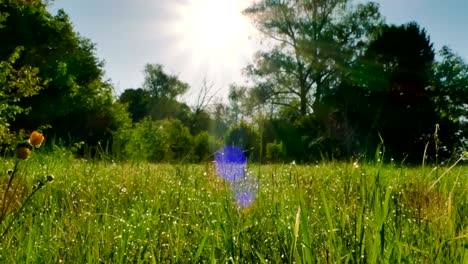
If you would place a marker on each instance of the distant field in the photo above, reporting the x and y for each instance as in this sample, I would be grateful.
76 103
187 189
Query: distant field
100 212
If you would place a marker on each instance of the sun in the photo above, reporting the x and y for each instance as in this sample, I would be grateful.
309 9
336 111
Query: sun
213 33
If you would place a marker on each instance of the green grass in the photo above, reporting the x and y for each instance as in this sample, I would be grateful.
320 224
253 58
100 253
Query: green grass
100 212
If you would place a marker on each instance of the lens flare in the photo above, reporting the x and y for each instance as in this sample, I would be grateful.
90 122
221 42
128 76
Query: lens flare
230 163
245 190
245 198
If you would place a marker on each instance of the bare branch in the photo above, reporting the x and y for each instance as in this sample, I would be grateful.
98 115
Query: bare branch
205 96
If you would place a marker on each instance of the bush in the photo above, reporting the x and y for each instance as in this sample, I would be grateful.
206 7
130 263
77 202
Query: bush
163 140
275 152
201 148
246 138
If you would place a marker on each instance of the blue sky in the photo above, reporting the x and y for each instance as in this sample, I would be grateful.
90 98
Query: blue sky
130 34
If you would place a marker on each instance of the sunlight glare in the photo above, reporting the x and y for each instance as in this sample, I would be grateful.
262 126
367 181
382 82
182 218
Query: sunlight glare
213 32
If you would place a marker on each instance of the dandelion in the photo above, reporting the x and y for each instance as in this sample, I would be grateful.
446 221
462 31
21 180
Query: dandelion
36 139
23 151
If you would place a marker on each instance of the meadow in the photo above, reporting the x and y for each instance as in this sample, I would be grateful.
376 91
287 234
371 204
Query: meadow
328 212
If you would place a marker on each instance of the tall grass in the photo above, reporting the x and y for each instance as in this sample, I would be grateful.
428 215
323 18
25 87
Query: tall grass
103 212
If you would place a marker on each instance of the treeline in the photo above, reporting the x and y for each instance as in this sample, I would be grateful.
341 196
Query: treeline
337 83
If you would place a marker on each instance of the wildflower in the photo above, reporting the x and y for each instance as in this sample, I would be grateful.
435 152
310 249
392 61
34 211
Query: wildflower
356 165
23 151
36 139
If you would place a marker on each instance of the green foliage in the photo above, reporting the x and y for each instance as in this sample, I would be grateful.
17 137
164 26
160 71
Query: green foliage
204 146
200 121
15 85
138 101
450 84
448 91
335 64
201 147
159 141
314 46
75 101
325 213
245 137
333 79
275 152
162 85
158 97
397 69
3 17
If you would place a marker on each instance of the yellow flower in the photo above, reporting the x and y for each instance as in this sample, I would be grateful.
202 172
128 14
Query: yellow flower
23 152
36 139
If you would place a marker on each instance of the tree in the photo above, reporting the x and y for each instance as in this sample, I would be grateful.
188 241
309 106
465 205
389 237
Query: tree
162 85
245 137
15 85
449 92
237 103
394 75
220 120
200 118
205 96
450 85
75 101
163 90
314 45
161 140
138 101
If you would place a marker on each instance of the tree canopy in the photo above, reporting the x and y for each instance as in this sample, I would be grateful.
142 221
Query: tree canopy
333 81
314 45
72 77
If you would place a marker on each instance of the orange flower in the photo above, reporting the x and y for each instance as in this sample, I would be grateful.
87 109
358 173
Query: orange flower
23 152
36 139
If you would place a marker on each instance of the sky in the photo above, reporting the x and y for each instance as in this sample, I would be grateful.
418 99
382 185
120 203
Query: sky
210 40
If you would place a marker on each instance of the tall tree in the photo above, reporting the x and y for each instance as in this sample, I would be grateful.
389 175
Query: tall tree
449 87
164 89
449 92
395 75
200 119
161 84
314 44
138 101
76 101
15 85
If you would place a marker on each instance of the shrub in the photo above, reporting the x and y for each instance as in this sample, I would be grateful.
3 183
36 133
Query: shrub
246 138
162 140
275 152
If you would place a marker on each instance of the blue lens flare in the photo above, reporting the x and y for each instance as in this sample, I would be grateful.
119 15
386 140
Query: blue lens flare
245 198
230 163
245 190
